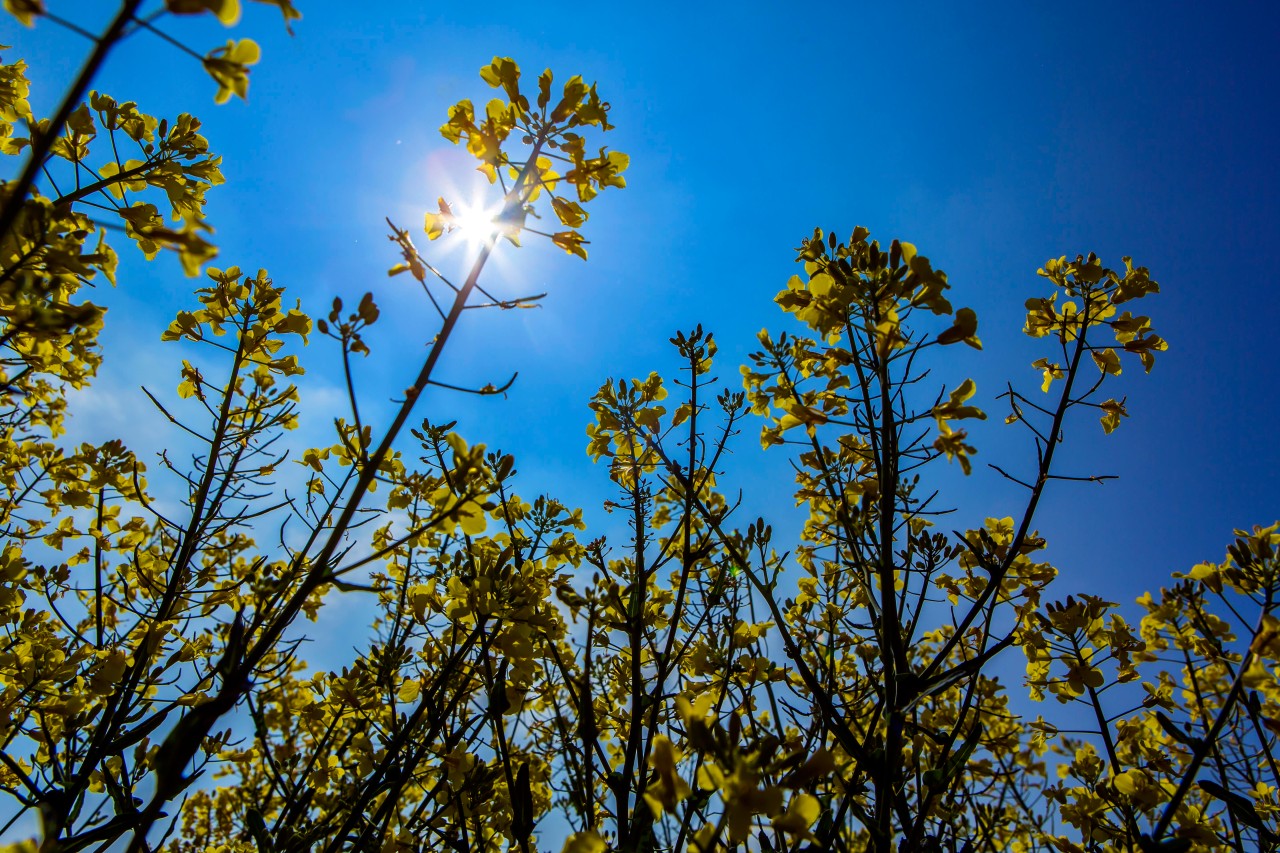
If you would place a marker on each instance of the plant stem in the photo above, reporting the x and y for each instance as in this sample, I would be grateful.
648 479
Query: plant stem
41 144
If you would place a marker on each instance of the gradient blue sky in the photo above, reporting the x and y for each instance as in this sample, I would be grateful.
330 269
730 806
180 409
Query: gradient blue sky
992 135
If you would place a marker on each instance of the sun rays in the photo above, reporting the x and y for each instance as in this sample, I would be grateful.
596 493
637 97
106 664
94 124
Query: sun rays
476 222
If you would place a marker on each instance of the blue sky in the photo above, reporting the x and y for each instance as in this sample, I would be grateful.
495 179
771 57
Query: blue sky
992 135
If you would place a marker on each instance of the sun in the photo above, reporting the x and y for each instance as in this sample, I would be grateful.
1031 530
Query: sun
477 223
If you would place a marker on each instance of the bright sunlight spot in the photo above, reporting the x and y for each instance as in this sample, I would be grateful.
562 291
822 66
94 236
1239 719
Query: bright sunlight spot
476 222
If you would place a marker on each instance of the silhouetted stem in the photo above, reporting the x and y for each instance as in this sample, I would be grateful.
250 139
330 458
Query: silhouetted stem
1206 745
42 143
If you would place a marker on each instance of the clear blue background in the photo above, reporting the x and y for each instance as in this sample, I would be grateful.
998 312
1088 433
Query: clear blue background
992 135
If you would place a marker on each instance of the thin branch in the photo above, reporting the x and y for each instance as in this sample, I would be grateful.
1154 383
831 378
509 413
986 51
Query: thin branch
43 142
